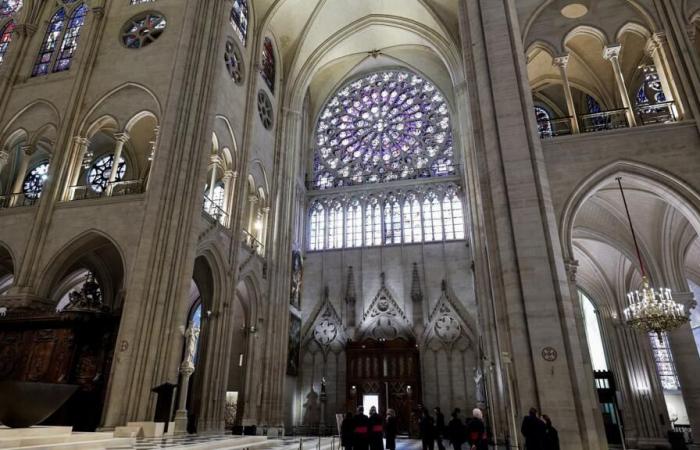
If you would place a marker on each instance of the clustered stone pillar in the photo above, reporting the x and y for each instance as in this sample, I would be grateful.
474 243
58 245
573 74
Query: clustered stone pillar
655 49
121 139
186 371
612 54
229 180
26 152
562 62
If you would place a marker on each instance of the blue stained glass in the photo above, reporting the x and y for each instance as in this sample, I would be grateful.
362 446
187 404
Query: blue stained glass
53 32
9 7
239 19
5 39
34 181
386 126
70 39
196 322
268 65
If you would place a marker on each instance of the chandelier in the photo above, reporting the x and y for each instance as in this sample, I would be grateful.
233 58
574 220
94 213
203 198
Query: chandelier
650 309
88 299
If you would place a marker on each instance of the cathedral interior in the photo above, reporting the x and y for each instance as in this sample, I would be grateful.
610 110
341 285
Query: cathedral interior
248 217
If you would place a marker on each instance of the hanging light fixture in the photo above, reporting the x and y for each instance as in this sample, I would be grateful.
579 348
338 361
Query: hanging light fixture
650 309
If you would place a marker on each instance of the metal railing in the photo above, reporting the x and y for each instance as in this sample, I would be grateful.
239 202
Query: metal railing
216 212
17 200
656 113
115 189
251 242
604 120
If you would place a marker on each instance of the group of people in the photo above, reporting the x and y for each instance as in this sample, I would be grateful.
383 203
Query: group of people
362 432
539 432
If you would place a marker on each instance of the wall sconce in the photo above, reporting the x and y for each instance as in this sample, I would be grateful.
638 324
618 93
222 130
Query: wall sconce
353 391
409 390
249 329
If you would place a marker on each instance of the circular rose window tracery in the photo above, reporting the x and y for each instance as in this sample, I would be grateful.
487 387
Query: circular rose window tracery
265 109
143 30
234 61
386 126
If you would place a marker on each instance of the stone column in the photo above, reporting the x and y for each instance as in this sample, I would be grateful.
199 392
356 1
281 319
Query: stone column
82 160
4 158
561 62
186 371
121 139
685 356
229 180
212 180
26 152
656 50
252 213
263 217
612 54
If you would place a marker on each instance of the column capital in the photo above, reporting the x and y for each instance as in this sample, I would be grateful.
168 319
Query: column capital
561 61
252 198
28 149
692 33
687 299
98 11
121 137
571 266
214 159
612 51
228 175
26 30
81 141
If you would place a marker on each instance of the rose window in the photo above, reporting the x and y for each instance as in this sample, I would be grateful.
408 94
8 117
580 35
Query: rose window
142 30
234 62
98 176
325 332
383 127
265 109
34 182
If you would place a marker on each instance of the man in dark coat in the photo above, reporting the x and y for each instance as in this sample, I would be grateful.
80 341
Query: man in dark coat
426 426
360 437
391 429
376 430
347 429
455 430
439 427
533 428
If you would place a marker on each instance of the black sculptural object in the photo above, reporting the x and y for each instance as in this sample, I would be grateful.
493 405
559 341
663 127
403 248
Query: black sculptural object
24 404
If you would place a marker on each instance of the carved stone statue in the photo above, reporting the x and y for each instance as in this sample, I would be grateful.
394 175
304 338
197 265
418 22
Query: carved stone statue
191 338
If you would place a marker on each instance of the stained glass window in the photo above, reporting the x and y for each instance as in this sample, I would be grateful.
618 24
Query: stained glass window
70 39
195 321
318 227
335 226
9 7
412 227
34 181
353 225
392 221
98 175
6 38
53 33
544 124
214 206
385 126
239 19
665 366
142 30
268 65
373 222
452 217
651 90
234 61
138 2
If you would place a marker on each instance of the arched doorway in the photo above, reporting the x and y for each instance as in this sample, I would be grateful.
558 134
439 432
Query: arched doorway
385 374
74 342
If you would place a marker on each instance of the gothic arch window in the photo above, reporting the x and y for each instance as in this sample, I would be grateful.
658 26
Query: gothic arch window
194 320
318 227
392 221
214 206
665 365
9 7
432 218
412 227
353 224
594 337
6 38
373 222
67 33
335 226
239 19
34 181
143 30
99 173
386 126
453 216
268 67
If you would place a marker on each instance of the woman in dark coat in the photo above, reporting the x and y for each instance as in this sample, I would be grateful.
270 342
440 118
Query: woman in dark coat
346 431
427 430
476 431
551 435
376 430
391 429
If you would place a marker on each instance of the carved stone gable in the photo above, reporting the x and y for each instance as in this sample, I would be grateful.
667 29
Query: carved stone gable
327 331
446 328
384 319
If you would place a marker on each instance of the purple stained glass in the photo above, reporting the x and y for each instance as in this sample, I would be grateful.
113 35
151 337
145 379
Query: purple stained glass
386 126
53 32
9 7
70 39
5 39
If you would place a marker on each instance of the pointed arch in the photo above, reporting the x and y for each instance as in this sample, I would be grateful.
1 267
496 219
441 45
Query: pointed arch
50 43
69 43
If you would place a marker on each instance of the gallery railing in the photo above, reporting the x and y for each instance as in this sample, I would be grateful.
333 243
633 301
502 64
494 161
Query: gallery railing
115 189
604 120
559 126
17 200
656 113
216 212
251 242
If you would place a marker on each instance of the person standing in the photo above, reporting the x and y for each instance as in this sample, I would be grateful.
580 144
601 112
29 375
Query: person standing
360 436
439 427
456 431
391 429
376 430
427 430
551 435
533 428
346 431
476 431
